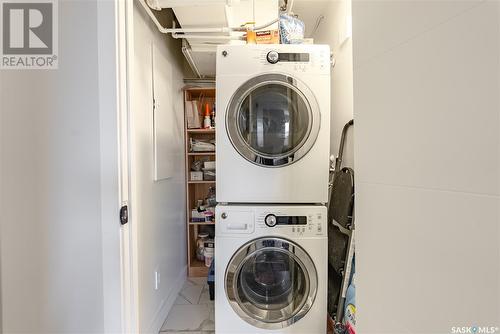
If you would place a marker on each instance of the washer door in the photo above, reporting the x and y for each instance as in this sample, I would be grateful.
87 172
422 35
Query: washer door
273 120
271 283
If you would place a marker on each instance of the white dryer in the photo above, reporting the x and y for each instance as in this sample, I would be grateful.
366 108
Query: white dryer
271 269
273 123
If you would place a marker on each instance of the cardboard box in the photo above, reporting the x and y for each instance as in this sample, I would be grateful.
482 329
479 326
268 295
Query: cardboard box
209 165
267 37
196 176
197 216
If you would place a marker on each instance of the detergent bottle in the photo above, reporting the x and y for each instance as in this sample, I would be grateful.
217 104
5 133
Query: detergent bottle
350 307
207 122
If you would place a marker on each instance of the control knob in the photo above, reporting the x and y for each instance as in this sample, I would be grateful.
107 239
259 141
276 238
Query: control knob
272 57
270 220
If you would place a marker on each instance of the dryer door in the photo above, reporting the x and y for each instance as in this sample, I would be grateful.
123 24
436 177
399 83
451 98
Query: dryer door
271 283
273 120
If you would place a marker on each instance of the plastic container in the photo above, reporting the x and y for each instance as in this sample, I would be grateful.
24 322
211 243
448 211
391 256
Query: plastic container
350 307
207 122
200 246
213 115
209 246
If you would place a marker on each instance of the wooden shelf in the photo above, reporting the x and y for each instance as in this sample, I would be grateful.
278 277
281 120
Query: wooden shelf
201 153
201 182
194 92
198 268
201 223
212 131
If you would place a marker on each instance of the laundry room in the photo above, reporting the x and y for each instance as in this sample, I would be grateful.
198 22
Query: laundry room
242 173
250 166
235 141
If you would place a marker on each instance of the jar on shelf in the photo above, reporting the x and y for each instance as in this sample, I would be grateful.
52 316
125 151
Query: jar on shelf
209 251
200 246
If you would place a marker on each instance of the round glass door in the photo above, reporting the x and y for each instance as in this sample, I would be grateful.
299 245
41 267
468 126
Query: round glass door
273 120
271 283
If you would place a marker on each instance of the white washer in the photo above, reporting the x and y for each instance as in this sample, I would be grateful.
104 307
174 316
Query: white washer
271 269
273 123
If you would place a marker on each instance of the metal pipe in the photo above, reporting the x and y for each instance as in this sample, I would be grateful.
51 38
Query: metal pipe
188 3
178 30
265 25
207 37
186 51
164 30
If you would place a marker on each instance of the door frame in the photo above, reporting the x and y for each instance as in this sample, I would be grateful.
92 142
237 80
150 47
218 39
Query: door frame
128 232
119 245
118 298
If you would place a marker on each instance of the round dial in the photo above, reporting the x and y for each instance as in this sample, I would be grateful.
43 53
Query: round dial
272 57
270 220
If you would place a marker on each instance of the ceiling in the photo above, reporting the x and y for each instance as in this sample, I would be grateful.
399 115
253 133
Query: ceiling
231 13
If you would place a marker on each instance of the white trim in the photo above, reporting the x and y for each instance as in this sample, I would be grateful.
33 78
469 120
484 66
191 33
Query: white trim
128 232
166 305
109 166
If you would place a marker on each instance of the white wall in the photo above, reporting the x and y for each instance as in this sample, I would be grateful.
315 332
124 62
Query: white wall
332 31
158 207
51 253
426 106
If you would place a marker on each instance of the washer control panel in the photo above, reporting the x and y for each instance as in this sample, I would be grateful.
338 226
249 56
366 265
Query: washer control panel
310 224
259 220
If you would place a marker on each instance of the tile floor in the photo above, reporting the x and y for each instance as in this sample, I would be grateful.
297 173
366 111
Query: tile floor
193 311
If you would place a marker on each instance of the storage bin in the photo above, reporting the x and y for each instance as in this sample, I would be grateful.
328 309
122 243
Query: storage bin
196 176
209 175
209 165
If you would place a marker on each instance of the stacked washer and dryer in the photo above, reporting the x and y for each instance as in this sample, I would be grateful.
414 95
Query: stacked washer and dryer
273 104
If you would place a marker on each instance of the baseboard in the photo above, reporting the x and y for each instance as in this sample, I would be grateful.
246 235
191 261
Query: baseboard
167 303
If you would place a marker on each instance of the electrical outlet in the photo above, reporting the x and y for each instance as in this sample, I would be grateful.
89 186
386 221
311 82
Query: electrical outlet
157 279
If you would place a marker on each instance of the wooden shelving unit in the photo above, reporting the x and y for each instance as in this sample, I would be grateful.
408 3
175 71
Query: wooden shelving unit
196 190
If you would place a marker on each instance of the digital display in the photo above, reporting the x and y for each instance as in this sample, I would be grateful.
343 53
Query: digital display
304 57
291 220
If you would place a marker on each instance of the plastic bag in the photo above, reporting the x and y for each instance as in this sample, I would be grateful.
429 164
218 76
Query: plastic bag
291 30
201 145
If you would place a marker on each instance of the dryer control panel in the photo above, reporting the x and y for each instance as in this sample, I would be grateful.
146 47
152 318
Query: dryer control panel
299 61
251 60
